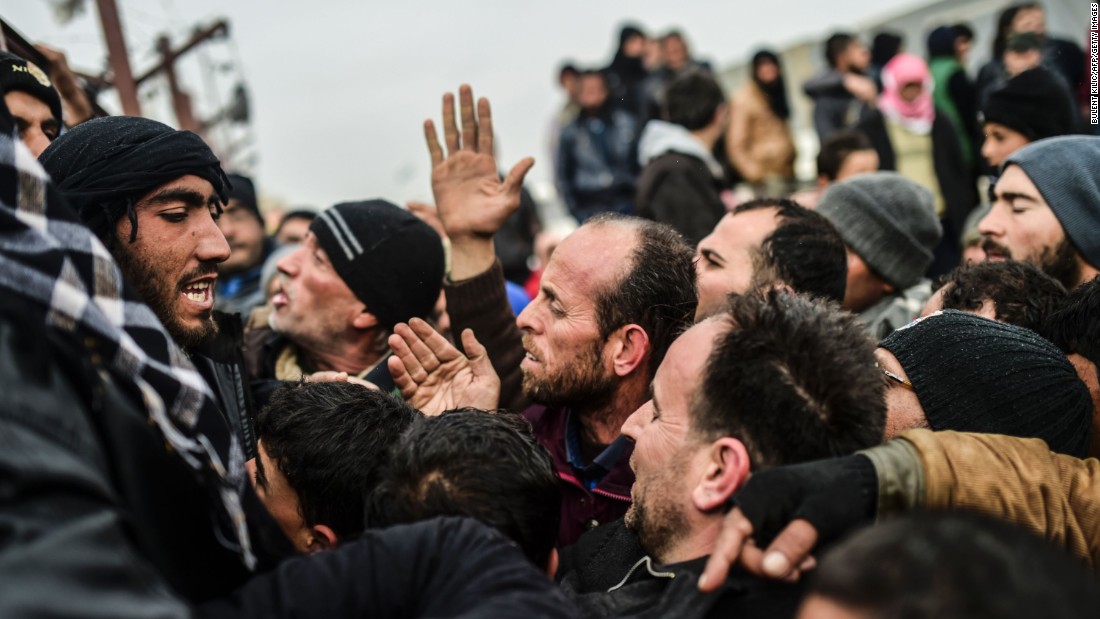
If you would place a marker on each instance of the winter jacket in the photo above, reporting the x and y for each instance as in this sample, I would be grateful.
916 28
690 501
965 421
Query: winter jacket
834 107
957 184
581 509
446 567
896 310
607 574
759 143
221 363
106 520
954 94
272 361
680 184
1016 479
597 163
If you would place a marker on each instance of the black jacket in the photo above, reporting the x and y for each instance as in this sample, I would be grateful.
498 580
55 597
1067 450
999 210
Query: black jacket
607 574
221 363
679 190
98 517
447 567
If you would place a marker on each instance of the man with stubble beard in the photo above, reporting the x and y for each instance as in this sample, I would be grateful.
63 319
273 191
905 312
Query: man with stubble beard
153 196
1046 209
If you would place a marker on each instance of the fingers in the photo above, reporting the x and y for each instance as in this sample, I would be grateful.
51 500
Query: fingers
790 550
736 530
432 140
514 181
432 348
484 127
405 384
469 125
450 130
400 344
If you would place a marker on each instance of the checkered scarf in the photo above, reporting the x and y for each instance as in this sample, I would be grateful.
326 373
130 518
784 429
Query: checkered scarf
49 258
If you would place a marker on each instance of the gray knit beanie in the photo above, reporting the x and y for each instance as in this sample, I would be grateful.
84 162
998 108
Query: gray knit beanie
888 220
1065 171
972 374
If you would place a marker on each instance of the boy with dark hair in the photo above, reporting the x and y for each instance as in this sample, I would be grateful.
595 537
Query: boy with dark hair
681 182
1014 292
845 154
481 464
321 446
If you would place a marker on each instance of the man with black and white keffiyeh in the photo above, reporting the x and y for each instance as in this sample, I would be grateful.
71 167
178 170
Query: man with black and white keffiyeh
121 488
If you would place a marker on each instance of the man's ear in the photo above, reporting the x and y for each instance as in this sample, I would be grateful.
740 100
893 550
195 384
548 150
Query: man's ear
629 349
727 467
364 320
321 538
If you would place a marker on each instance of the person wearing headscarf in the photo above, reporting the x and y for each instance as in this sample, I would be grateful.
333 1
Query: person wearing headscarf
953 92
126 484
759 142
105 168
918 141
626 75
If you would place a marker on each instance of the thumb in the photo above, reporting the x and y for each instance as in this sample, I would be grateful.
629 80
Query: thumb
514 180
479 357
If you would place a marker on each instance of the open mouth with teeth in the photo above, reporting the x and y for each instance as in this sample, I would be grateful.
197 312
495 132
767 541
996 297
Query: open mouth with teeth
200 293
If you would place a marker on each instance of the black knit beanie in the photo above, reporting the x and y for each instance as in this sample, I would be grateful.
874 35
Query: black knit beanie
243 191
1033 103
19 74
972 374
390 259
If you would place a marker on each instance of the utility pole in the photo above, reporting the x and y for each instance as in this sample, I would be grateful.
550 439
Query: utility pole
118 57
181 100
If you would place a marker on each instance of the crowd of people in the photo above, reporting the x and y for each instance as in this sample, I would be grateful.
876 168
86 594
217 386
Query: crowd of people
691 405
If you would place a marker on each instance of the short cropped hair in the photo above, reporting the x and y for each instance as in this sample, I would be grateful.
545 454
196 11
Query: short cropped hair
657 291
836 45
953 566
1021 293
330 440
692 99
836 149
481 464
1075 325
805 251
794 379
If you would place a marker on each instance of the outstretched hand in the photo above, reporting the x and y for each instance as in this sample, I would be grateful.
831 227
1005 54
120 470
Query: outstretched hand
473 201
434 376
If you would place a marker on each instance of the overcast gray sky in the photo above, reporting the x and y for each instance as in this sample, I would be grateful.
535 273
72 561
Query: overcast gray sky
340 89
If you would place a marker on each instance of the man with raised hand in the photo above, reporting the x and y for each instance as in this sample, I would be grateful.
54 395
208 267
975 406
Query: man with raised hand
613 297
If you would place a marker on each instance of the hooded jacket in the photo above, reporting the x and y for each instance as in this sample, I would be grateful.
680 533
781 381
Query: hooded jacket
681 182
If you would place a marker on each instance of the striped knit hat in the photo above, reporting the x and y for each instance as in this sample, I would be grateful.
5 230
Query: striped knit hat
388 257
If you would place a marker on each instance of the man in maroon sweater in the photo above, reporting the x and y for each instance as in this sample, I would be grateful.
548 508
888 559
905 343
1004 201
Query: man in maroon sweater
612 298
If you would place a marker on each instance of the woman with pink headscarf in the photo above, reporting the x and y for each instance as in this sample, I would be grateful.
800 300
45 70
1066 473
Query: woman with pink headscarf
918 141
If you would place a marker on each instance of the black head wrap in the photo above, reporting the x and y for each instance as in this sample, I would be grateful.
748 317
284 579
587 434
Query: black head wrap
104 166
775 91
